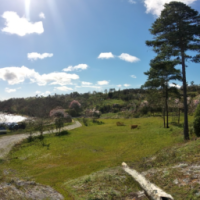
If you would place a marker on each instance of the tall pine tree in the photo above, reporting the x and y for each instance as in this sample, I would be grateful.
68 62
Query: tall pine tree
179 27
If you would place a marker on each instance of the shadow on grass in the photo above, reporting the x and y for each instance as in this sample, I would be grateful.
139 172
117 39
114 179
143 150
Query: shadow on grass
180 125
62 133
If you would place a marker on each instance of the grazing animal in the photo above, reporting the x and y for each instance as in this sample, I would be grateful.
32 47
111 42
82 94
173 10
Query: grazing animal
134 126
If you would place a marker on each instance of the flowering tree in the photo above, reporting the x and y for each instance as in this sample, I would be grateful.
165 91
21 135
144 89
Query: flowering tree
75 105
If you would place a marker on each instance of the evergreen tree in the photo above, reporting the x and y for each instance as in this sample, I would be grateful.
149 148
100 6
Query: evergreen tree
178 26
159 75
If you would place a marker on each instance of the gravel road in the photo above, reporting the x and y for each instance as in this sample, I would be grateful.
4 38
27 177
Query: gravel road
7 142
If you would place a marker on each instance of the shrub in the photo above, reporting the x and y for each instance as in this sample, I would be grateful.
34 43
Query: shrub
120 124
85 121
197 121
65 132
197 126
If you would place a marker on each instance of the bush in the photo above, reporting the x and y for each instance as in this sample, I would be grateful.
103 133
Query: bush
120 124
85 121
197 121
65 132
197 126
97 122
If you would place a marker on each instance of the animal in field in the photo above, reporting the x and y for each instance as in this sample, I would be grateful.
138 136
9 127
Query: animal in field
134 126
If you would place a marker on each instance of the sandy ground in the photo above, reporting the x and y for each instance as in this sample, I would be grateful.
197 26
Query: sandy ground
7 142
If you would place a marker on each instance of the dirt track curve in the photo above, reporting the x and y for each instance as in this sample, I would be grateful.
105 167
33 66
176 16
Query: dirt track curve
7 142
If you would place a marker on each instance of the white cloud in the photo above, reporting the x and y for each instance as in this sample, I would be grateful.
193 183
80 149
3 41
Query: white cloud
89 86
38 92
156 6
42 15
133 76
103 82
174 85
126 85
63 88
86 83
43 93
76 68
132 2
35 55
119 85
8 90
106 55
16 75
20 26
128 58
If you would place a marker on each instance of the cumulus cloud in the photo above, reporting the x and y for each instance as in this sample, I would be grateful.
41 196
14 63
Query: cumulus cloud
126 85
128 58
79 67
132 2
174 85
106 55
119 85
20 26
16 75
63 88
35 55
133 76
43 93
103 82
42 15
86 83
38 92
156 6
8 90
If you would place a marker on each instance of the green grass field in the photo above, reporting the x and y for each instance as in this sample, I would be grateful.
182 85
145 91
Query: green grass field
89 149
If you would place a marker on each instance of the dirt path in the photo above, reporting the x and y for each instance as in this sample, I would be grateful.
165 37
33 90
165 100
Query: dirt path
7 142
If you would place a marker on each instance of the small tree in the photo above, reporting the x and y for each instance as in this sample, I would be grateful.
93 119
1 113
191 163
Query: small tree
74 108
162 71
59 122
75 105
39 126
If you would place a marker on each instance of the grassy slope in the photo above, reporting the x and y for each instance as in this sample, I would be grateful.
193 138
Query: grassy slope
89 149
113 101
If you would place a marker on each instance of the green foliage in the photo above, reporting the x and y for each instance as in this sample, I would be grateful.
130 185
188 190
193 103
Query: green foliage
39 125
120 124
59 123
72 112
97 121
85 121
197 121
178 26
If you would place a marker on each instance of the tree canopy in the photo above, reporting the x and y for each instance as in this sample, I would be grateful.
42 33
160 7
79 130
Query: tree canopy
179 27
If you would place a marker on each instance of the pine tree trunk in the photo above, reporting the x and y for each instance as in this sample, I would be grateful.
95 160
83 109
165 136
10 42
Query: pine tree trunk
164 116
186 135
166 105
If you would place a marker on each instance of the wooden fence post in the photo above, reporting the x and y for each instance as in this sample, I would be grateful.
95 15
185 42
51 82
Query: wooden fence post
152 191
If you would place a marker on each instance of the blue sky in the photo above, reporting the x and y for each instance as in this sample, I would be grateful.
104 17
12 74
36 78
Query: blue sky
62 46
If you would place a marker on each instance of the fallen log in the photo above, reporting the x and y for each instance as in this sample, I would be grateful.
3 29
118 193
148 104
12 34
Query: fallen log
151 190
